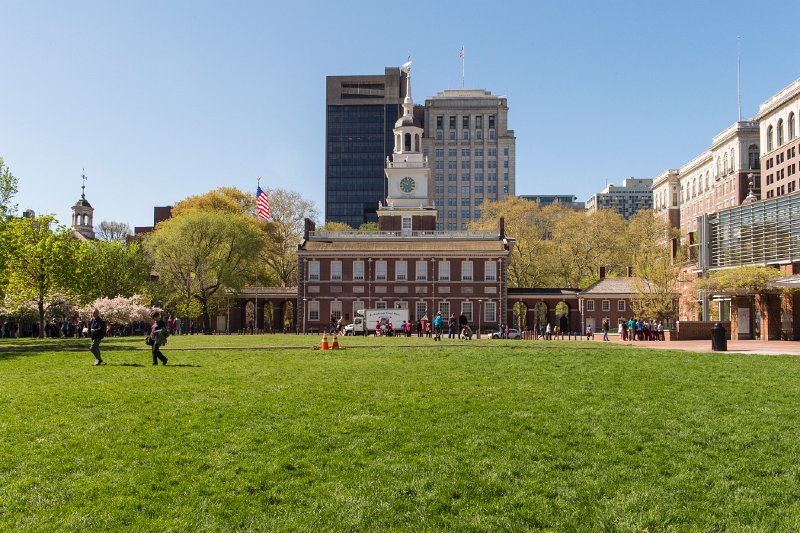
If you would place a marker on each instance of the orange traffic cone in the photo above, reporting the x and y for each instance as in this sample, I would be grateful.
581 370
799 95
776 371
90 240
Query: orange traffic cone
335 341
325 341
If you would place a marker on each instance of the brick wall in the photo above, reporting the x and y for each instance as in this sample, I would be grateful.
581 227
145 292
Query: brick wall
697 330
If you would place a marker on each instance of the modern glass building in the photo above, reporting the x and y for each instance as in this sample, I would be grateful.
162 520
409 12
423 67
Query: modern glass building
361 112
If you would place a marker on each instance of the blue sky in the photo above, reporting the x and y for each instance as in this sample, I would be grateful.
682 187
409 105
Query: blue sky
161 100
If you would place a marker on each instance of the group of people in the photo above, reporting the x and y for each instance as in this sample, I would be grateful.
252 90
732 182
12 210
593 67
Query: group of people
641 330
156 337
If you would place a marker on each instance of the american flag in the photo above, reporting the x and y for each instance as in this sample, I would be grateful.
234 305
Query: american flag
461 52
262 201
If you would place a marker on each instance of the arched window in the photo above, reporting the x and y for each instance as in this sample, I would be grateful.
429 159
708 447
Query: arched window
407 143
769 139
694 187
780 132
725 164
707 179
719 167
700 184
733 160
752 156
790 126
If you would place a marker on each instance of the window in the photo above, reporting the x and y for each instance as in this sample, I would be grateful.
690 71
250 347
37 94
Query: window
621 305
465 202
466 310
464 177
401 270
422 271
478 152
478 189
313 310
380 305
466 270
490 271
444 270
780 132
439 189
452 164
590 305
790 126
452 122
358 270
452 189
444 308
452 214
491 122
725 164
380 270
336 309
465 164
422 307
733 160
465 122
769 139
479 121
439 122
336 270
452 202
606 306
439 135
465 135
465 214
465 152
452 176
313 270
505 151
440 152
452 152
452 135
493 152
491 135
406 225
479 134
490 312
505 164
465 190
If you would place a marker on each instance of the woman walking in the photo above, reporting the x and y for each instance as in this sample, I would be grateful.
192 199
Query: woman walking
158 333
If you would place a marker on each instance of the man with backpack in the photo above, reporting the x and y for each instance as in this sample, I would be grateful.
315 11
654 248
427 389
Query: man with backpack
97 330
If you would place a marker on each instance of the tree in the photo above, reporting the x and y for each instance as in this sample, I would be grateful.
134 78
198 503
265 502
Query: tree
583 242
44 263
743 280
531 226
224 199
648 240
202 253
284 231
8 188
113 231
335 227
120 310
113 268
368 226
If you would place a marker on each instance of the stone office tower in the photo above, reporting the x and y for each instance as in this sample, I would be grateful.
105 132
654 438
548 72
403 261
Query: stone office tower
471 153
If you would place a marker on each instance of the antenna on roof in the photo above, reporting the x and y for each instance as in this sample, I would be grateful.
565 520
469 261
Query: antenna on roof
739 77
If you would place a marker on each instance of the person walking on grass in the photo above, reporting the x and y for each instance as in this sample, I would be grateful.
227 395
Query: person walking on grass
158 333
606 327
97 330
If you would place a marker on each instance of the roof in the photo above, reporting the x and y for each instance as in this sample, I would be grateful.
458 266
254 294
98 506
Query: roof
392 246
532 291
614 286
82 202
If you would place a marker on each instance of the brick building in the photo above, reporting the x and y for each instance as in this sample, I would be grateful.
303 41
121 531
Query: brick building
407 263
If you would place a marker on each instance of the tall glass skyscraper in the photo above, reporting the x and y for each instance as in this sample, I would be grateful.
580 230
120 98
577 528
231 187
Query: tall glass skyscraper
361 112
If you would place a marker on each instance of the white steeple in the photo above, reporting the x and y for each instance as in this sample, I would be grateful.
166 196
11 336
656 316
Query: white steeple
407 172
82 214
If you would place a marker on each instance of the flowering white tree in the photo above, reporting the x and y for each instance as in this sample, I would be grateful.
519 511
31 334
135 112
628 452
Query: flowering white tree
120 310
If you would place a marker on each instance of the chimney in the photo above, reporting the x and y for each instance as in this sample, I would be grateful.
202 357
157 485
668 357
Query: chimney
630 272
310 226
502 228
602 272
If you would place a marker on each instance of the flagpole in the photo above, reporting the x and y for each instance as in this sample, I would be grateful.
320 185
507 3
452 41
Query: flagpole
739 77
462 66
255 319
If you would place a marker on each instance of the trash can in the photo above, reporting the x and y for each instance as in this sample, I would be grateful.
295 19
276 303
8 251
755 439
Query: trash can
718 341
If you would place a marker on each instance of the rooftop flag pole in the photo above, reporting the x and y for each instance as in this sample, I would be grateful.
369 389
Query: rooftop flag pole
739 77
461 55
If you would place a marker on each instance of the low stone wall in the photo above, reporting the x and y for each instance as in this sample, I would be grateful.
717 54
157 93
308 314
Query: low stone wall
695 330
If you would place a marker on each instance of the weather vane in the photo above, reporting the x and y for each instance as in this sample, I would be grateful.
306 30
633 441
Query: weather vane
83 187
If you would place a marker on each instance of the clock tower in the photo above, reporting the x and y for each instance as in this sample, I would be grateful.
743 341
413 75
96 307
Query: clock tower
408 207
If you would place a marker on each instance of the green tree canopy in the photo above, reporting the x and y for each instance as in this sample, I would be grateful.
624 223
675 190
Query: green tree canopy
224 199
113 268
43 267
202 253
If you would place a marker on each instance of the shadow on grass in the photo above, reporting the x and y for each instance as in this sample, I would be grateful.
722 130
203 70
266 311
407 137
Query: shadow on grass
185 365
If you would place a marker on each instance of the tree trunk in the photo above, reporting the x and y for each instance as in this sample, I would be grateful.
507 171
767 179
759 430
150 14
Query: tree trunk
41 319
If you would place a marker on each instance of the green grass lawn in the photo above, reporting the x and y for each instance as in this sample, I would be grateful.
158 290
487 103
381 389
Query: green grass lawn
395 434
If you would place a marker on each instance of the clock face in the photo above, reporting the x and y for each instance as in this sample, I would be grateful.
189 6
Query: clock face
407 184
